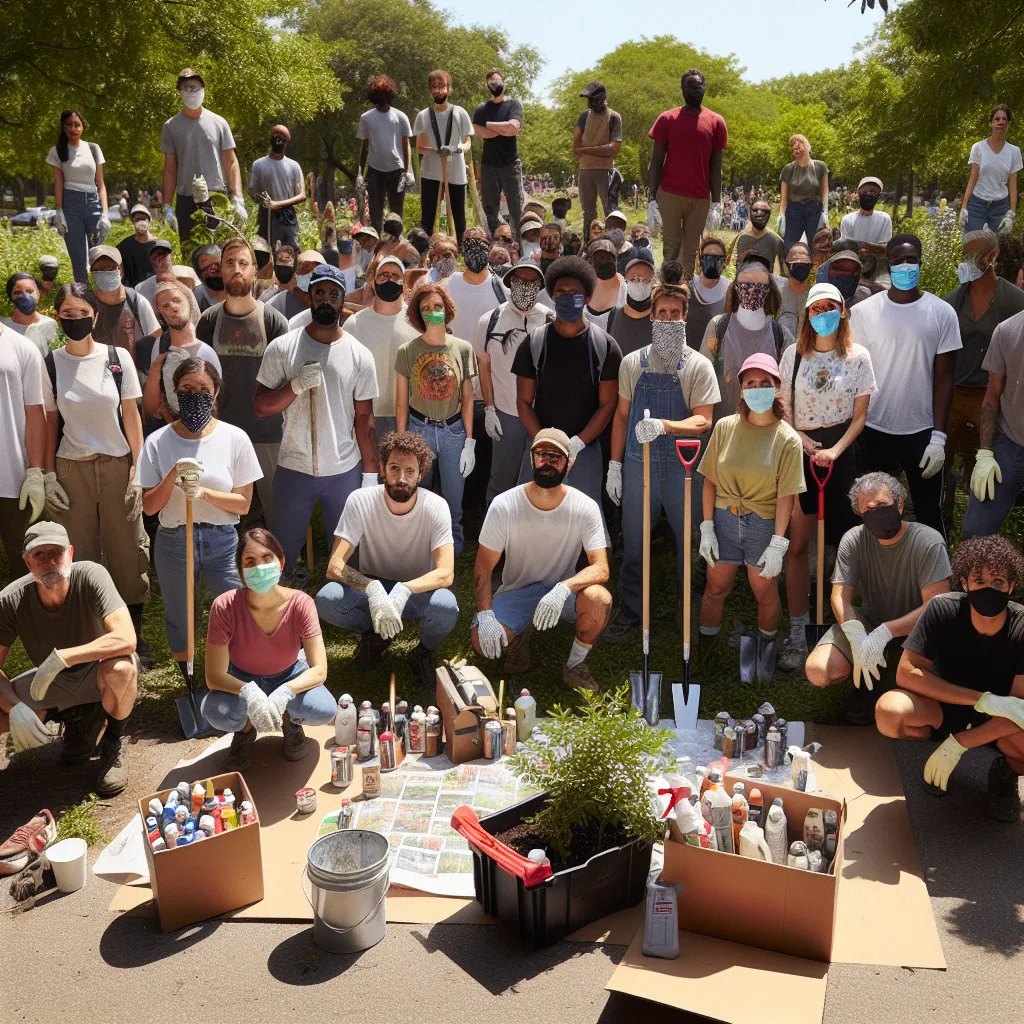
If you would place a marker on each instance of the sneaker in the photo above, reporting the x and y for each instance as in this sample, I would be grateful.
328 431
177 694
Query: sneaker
517 654
1002 801
579 678
294 740
371 646
240 754
421 661
792 655
82 727
621 628
112 775
27 842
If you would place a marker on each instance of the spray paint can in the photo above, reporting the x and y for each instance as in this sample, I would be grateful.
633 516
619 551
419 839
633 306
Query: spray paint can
365 735
346 721
772 748
402 728
758 721
388 761
775 832
732 742
345 814
493 739
433 745
305 800
508 731
417 731
341 767
720 725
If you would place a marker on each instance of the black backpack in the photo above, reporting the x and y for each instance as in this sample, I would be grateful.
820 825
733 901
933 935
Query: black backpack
113 361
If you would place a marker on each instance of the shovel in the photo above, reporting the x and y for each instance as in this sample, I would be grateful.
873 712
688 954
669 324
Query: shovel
686 697
816 631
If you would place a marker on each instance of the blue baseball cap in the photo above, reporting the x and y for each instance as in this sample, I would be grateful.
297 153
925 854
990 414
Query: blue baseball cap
327 272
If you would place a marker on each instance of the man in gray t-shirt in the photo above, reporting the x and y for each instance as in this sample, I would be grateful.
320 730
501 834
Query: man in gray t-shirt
275 185
406 558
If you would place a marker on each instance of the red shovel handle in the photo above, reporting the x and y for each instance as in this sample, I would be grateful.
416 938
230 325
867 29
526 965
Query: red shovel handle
821 482
466 823
691 444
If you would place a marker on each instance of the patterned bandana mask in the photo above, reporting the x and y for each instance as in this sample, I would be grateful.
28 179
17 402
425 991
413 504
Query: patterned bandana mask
445 267
475 253
752 295
668 338
524 293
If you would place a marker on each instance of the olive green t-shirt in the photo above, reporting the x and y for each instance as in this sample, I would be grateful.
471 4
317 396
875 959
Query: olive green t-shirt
804 182
753 466
435 374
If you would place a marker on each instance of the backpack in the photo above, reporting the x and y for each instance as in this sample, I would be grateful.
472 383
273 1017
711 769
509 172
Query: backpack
499 289
492 322
114 362
599 345
778 333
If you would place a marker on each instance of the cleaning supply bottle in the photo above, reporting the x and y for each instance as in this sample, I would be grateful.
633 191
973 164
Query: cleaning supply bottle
508 732
720 817
345 722
661 921
753 843
365 734
433 732
756 803
703 779
184 791
198 798
417 731
526 715
814 828
740 813
775 832
828 849
385 721
687 825
711 782
804 780
227 812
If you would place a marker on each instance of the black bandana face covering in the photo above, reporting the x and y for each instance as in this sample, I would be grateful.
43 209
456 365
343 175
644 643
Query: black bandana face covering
988 601
475 252
883 522
195 409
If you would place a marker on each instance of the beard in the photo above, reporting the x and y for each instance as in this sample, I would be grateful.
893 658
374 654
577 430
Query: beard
238 286
547 476
400 492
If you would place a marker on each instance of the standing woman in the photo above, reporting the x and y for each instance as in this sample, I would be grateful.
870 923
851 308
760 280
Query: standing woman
220 489
434 395
610 290
804 203
827 381
93 440
79 192
990 199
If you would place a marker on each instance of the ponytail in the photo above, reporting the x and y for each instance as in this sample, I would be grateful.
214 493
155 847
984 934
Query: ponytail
62 140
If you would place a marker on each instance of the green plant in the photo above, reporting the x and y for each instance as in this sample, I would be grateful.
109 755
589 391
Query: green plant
80 822
594 765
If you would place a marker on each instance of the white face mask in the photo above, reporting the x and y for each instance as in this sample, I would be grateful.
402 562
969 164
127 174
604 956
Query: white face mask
529 248
302 281
106 280
751 319
968 272
639 291
193 98
142 225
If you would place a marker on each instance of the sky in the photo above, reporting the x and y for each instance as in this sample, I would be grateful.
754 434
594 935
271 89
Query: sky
770 38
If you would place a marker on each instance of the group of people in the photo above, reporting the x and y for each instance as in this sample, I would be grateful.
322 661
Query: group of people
529 385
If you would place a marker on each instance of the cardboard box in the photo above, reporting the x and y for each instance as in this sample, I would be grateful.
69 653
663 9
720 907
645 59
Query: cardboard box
772 906
195 882
464 719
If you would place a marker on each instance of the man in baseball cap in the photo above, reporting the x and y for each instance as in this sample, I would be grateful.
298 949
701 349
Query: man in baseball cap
596 140
125 317
869 227
136 248
276 187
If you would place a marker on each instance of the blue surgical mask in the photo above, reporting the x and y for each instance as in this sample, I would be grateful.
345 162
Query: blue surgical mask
260 578
26 303
345 246
302 281
759 399
570 307
827 323
904 276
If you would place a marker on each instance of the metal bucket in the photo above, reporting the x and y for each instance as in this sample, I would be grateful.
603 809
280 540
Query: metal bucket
348 877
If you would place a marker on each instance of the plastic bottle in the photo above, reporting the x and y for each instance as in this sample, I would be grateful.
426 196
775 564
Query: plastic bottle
173 799
688 826
753 843
152 829
804 780
198 797
171 834
433 732
720 817
508 732
156 808
345 722
703 780
184 791
181 815
247 815
539 857
775 832
365 734
740 812
227 812
206 824
798 855
526 715
158 844
210 794
417 730
661 921
814 828
401 729
828 849
756 803
385 720
218 820
712 782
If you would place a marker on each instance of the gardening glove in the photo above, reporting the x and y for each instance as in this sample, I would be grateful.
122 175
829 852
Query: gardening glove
189 483
1006 224
647 430
939 767
653 214
822 221
857 635
492 425
60 223
265 201
575 447
614 483
102 229
386 622
311 375
169 219
280 698
33 491
368 480
934 455
549 608
359 184
491 634
780 224
260 711
986 475
133 501
53 664
56 497
1011 708
772 556
27 730
708 543
714 218
451 149
400 593
239 204
467 460
407 182
963 215
872 653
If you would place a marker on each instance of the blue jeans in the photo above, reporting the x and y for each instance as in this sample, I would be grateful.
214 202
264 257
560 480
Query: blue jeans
985 517
515 608
982 214
506 455
214 550
436 610
227 711
82 212
295 498
742 538
801 218
446 443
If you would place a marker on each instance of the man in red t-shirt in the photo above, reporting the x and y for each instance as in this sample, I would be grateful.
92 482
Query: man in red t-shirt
685 176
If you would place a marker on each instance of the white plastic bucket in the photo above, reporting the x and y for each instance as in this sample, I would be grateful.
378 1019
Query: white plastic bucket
67 858
348 877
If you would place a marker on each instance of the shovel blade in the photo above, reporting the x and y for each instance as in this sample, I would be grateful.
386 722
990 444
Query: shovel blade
637 690
652 700
685 707
813 634
748 658
193 724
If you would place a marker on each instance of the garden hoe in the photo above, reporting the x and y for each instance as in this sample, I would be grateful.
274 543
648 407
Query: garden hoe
686 695
816 631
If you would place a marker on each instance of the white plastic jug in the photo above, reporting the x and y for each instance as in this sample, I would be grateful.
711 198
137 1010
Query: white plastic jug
753 843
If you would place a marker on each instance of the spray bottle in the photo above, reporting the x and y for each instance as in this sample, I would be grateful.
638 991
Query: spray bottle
753 843
345 722
720 817
526 715
775 832
740 813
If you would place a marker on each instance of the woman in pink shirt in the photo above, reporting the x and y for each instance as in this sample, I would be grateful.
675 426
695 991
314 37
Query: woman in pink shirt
265 657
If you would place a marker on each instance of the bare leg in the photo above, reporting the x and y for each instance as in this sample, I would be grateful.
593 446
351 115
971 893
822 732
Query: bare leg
593 608
1013 747
118 683
826 665
902 715
719 582
766 591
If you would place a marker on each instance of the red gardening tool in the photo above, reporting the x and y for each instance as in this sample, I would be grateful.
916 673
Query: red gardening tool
815 631
686 698
466 823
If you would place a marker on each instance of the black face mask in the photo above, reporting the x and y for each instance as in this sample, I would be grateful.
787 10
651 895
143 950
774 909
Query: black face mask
867 200
846 283
988 602
283 274
711 266
195 408
546 476
496 88
884 522
693 94
76 330
262 259
277 144
325 314
388 291
799 271
759 220
638 304
597 103
214 283
605 270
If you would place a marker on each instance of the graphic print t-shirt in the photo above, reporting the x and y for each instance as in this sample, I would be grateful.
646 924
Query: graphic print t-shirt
435 374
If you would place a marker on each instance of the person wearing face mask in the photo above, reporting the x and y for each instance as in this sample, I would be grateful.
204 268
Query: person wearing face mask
610 286
752 476
708 289
630 323
385 153
542 527
78 634
990 199
529 234
265 658
761 237
912 337
496 339
197 142
550 245
161 270
219 487
276 188
794 288
869 227
959 675
803 205
124 316
475 290
346 259
615 225
684 180
23 294
442 259
292 301
206 263
844 269
596 141
499 260
136 248
898 567
367 239
497 121
283 262
666 390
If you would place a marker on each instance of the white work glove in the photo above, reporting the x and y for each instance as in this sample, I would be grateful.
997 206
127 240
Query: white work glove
614 483
549 608
57 499
133 501
311 375
169 219
714 218
386 622
647 429
60 223
33 491
575 447
239 204
263 715
53 664
939 767
491 634
934 455
963 215
451 149
857 635
822 221
359 183
467 460
1006 224
27 730
1011 708
653 214
280 698
780 224
985 476
407 181
189 483
492 425
772 556
265 201
872 653
368 480
400 593
102 229
708 543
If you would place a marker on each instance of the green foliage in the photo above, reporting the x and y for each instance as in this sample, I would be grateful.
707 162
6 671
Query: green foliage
594 766
942 250
80 822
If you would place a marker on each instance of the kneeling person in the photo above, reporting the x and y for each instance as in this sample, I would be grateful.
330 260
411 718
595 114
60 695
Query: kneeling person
407 552
541 527
91 679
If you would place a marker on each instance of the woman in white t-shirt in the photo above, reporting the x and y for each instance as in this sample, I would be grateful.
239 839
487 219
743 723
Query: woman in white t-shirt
25 318
212 465
94 435
990 199
78 192
827 381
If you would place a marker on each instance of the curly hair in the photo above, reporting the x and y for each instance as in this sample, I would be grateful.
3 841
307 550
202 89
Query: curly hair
872 483
995 553
415 317
408 443
380 89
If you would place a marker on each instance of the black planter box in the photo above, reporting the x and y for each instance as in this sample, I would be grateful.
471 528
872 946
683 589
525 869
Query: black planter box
609 881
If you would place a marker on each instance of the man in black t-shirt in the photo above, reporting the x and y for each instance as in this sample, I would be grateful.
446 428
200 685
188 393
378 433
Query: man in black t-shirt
497 121
962 674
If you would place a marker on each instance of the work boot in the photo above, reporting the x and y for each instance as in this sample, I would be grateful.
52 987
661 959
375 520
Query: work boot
28 841
517 653
112 775
792 655
421 661
371 646
294 740
82 726
579 677
621 628
240 754
1002 801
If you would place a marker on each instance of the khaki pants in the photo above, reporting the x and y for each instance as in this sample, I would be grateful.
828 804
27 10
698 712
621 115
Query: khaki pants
97 524
683 222
593 183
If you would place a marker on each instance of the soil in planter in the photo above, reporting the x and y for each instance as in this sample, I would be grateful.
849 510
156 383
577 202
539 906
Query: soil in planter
525 837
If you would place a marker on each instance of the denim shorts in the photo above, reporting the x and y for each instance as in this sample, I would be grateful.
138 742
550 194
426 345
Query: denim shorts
742 538
515 608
